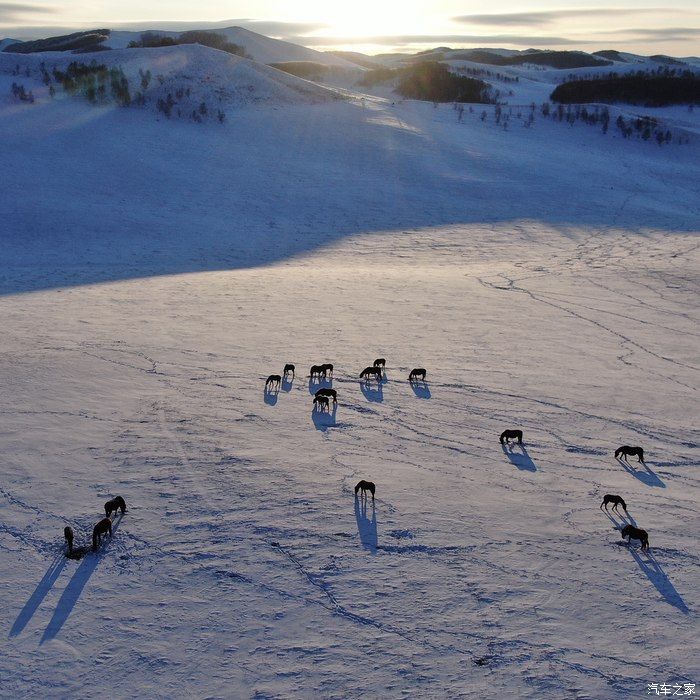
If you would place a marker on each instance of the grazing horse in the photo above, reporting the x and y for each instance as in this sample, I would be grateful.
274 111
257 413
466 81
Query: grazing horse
117 503
327 370
617 500
380 362
289 369
68 534
273 379
322 403
316 371
631 532
626 451
102 528
365 486
508 435
368 372
330 393
419 372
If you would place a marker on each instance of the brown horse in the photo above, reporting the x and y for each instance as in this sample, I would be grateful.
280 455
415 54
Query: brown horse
316 371
327 370
365 486
289 369
636 533
508 435
626 451
102 528
611 498
417 373
368 372
380 362
117 503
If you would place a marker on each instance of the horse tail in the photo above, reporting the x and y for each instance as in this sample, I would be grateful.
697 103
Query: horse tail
357 488
623 504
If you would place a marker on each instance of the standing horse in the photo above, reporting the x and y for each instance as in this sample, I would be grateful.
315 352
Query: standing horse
273 379
368 372
617 500
626 451
68 534
417 373
508 435
289 369
327 370
316 371
117 503
330 393
380 362
365 486
102 528
321 403
636 533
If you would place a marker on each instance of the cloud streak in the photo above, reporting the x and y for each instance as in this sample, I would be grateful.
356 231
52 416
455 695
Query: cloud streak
10 11
545 17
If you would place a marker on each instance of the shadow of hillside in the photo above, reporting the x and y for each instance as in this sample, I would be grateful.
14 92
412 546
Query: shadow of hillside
126 196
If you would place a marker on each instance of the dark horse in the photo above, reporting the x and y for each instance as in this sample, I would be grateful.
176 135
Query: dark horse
273 379
368 372
317 371
626 451
617 500
289 369
68 534
380 362
117 503
322 403
416 373
327 369
632 532
102 528
330 393
365 486
508 435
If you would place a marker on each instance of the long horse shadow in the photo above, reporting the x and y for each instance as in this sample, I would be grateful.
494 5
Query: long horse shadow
647 476
315 384
286 384
365 527
658 577
71 593
624 520
324 419
421 389
375 395
271 396
40 592
521 459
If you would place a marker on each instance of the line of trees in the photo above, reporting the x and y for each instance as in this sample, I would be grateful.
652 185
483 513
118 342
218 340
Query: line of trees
211 39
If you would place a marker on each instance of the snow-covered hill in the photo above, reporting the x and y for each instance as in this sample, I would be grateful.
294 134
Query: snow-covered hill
259 47
154 273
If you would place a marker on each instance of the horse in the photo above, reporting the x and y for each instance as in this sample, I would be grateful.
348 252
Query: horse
316 371
330 393
365 486
68 534
273 379
321 402
380 362
630 531
117 503
416 373
103 527
617 500
368 372
289 369
327 369
626 451
508 435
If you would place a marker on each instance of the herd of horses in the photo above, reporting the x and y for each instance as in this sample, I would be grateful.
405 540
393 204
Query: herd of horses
323 397
103 527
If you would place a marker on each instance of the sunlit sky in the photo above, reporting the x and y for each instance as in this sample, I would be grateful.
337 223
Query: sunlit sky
374 26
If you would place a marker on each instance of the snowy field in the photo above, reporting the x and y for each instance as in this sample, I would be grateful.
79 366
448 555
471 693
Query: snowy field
154 273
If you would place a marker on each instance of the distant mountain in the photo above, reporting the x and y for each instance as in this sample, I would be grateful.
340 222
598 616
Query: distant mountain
91 40
358 58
